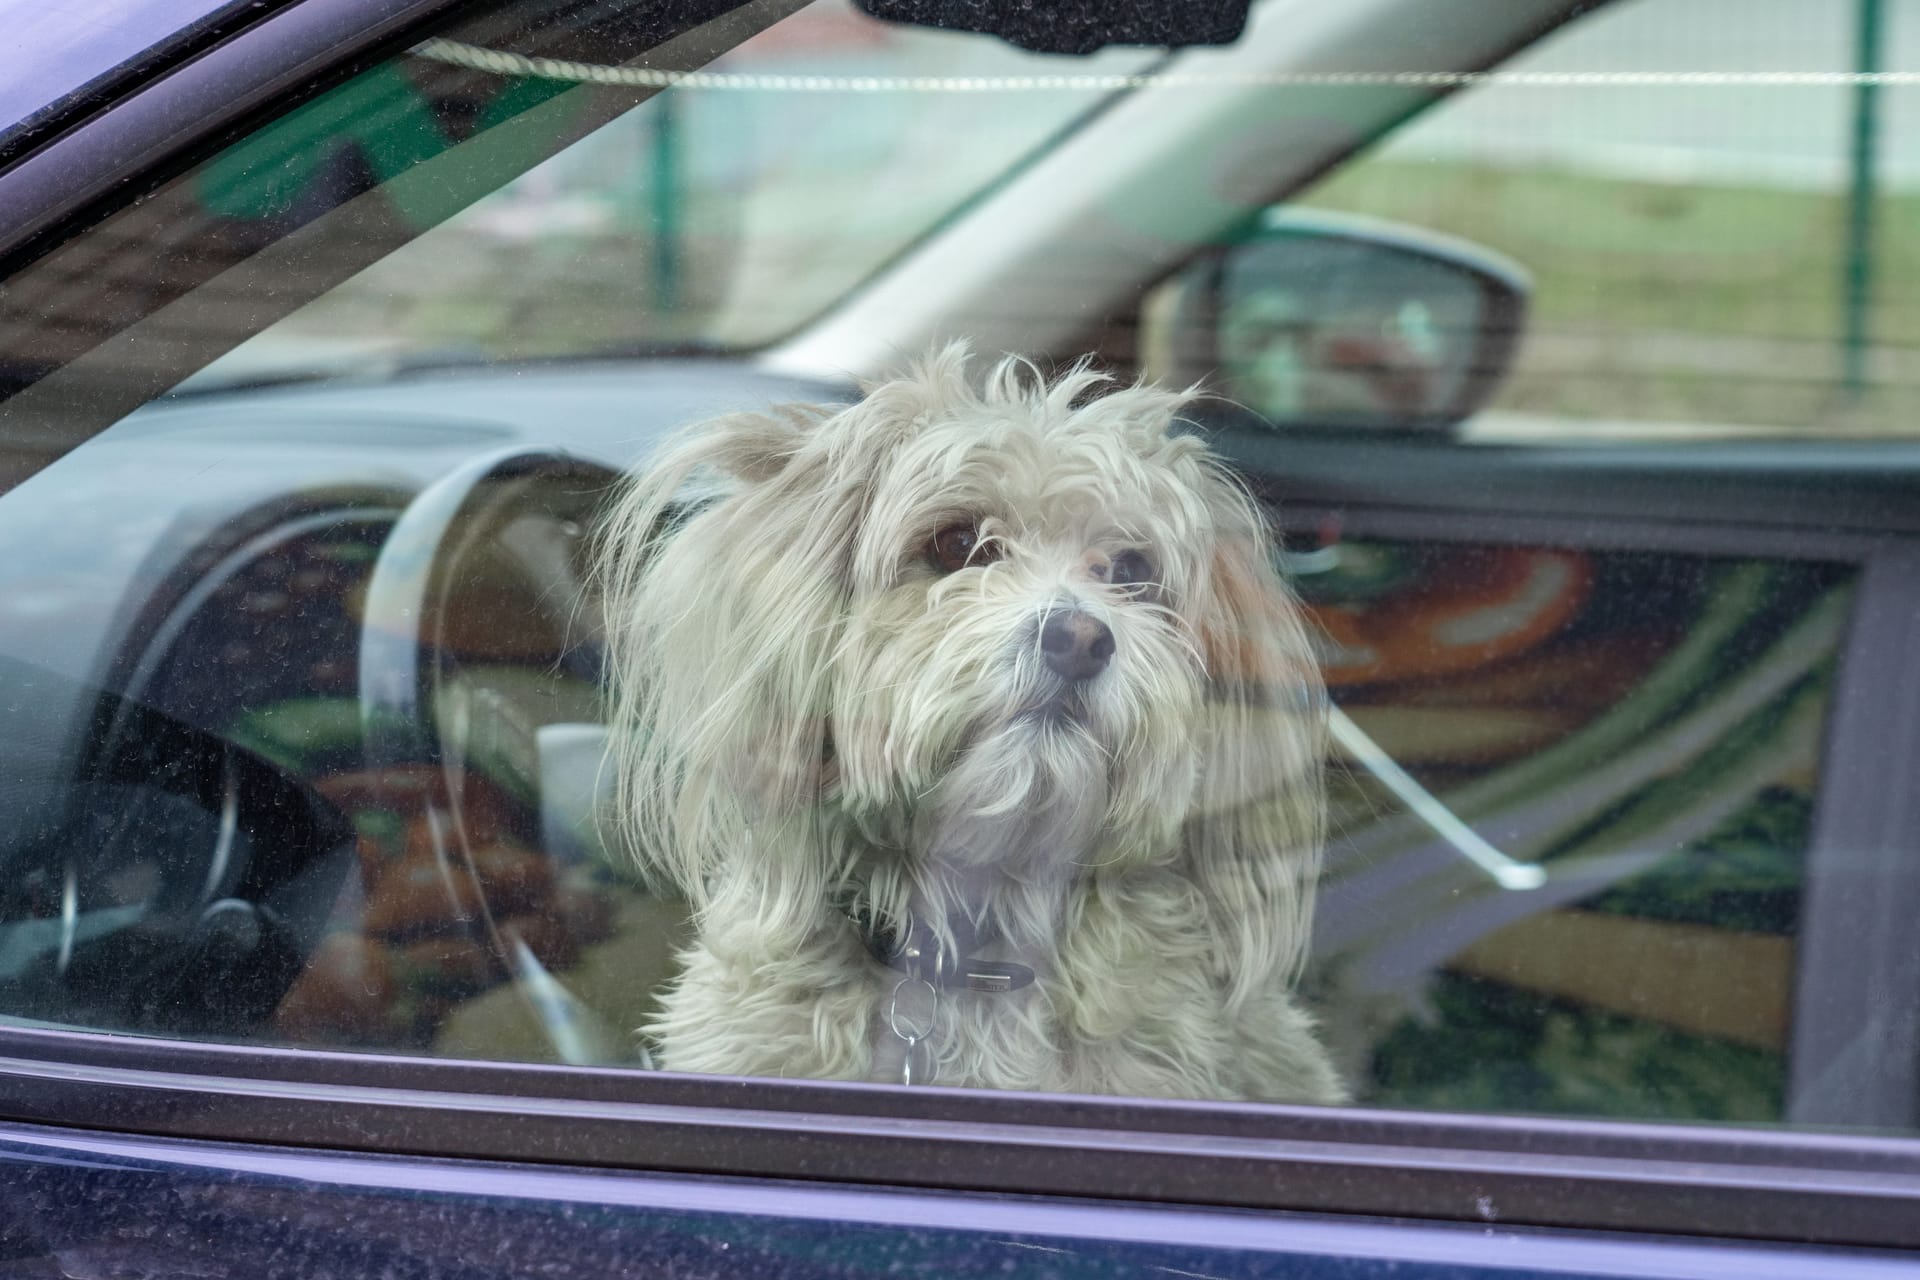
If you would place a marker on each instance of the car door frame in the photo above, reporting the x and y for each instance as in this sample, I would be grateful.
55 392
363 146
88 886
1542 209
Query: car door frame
1837 1189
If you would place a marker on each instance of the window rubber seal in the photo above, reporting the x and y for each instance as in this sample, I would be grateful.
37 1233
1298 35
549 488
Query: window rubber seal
1826 1188
73 108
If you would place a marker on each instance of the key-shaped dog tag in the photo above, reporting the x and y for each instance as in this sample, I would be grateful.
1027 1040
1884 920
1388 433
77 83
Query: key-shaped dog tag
994 975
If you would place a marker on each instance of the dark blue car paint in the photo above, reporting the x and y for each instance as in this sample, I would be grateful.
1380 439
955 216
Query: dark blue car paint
134 129
77 48
83 1204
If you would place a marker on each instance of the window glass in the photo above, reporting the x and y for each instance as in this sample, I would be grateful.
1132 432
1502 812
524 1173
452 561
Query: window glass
715 215
1717 208
1646 729
361 702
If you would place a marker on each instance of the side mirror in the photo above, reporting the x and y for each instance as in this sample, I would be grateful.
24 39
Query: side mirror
1322 320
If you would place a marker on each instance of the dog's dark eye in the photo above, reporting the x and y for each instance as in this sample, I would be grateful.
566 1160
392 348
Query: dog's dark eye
959 545
1131 569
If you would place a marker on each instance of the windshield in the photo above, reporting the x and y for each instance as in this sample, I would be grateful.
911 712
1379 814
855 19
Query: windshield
714 216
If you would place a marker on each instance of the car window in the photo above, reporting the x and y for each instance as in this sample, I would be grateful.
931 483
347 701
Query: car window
389 676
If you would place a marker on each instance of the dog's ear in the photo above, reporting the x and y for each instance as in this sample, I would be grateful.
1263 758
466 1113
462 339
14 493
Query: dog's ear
1254 833
725 572
755 447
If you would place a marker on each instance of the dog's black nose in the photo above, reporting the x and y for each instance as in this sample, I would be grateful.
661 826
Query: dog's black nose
1077 644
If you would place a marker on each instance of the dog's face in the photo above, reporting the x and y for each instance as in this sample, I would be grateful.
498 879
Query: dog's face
1021 674
1023 627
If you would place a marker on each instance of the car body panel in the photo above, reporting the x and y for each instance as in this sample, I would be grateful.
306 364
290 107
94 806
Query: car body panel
145 127
147 1206
78 46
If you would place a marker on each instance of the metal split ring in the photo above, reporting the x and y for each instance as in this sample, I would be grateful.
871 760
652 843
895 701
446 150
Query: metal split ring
903 1023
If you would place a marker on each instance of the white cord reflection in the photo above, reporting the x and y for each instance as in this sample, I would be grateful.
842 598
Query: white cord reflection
1508 873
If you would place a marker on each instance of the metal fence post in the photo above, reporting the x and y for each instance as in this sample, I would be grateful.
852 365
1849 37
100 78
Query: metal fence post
1858 286
668 200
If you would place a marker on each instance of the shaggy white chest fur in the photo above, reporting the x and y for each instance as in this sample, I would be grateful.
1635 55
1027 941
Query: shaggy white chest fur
1127 1001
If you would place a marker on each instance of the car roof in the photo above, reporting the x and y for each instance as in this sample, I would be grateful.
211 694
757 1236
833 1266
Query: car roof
58 55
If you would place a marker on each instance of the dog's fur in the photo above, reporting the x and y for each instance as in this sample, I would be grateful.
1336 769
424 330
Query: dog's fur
807 707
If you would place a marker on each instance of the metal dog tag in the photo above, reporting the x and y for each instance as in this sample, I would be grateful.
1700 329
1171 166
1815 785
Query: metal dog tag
994 976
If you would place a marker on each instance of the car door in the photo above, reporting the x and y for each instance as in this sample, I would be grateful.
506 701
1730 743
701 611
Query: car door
306 429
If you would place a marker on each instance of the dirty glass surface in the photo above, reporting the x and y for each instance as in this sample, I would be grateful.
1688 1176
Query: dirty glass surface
1645 728
320 686
1717 203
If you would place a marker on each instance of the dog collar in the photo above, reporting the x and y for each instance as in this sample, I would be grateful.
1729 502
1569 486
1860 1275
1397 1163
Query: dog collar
913 948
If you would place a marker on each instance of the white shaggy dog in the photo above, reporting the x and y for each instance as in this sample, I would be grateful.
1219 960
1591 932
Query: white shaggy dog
982 738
